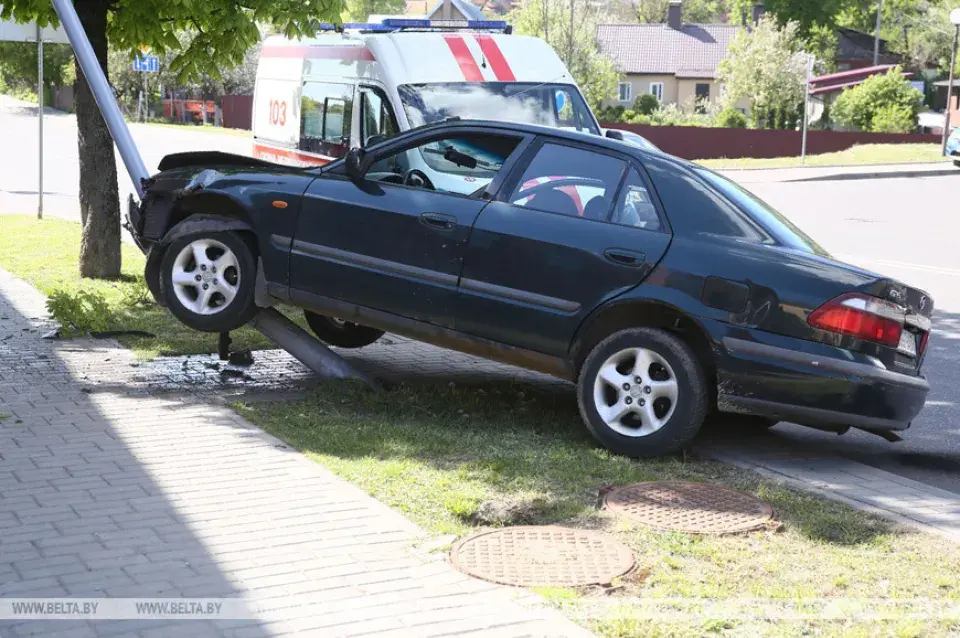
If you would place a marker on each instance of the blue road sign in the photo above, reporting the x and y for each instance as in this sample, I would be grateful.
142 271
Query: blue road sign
148 64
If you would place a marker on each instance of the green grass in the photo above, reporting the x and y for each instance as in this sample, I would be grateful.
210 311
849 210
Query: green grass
861 155
45 254
442 454
208 128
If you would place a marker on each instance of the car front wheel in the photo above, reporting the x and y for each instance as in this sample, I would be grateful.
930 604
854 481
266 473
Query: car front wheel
339 333
208 281
642 392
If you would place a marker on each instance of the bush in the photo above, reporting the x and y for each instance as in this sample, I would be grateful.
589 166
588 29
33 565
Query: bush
81 311
646 104
888 93
893 119
730 117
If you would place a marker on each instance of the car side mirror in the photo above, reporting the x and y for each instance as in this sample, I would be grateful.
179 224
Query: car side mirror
614 135
373 140
355 164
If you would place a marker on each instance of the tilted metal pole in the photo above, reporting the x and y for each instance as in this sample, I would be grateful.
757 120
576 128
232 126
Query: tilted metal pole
40 118
102 93
305 348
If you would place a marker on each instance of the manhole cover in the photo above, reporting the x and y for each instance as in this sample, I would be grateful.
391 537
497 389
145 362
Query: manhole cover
542 556
696 508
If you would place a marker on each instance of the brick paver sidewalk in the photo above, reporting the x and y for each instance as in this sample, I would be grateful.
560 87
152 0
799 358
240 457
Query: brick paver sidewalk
107 489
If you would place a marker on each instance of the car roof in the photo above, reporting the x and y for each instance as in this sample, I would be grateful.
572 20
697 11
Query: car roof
555 133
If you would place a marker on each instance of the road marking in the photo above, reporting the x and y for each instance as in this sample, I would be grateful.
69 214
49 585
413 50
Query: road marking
899 264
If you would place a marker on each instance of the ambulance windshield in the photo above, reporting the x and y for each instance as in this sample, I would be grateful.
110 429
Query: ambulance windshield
556 105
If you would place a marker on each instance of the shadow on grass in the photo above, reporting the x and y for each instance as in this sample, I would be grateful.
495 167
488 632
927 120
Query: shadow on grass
439 451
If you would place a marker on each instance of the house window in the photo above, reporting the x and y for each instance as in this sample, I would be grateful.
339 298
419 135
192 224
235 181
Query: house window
702 92
625 91
656 89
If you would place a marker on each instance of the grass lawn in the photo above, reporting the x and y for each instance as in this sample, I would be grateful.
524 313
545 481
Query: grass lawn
448 456
209 128
864 154
45 254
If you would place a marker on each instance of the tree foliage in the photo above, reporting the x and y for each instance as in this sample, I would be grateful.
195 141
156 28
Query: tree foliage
882 103
361 10
18 63
224 31
550 20
693 11
766 68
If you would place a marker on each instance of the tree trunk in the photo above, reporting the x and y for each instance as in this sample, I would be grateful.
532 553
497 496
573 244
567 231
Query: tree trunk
99 193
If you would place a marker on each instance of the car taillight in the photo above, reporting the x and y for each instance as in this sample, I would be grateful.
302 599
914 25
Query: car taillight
923 343
862 316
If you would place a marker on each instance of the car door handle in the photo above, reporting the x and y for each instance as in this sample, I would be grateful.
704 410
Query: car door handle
624 257
439 220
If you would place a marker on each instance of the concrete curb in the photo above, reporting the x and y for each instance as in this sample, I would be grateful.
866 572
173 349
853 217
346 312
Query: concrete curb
950 170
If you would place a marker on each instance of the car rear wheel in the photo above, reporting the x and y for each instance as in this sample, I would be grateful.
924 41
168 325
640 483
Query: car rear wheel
642 392
208 281
342 334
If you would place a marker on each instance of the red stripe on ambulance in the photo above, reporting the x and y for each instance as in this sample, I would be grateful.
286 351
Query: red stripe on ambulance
461 53
501 68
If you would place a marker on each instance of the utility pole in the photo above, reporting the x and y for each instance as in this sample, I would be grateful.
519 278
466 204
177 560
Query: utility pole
955 20
40 117
876 35
570 46
806 109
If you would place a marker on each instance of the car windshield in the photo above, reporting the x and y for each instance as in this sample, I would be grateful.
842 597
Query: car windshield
774 222
556 105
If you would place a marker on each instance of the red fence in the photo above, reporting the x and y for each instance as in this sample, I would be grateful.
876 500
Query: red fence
690 142
237 111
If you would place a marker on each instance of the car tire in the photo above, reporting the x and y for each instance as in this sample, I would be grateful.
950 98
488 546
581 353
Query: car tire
956 163
342 334
224 263
655 417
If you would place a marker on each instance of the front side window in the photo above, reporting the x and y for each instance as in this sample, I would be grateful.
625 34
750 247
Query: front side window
556 105
569 181
464 163
377 121
625 91
326 110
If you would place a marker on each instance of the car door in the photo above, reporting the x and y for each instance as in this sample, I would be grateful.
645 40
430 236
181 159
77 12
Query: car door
395 241
572 228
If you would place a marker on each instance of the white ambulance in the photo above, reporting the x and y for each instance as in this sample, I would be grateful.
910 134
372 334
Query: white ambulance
316 98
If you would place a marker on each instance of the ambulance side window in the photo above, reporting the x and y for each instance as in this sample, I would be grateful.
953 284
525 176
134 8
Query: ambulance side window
377 121
326 111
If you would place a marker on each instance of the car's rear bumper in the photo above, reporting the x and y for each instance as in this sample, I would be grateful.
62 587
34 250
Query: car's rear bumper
813 384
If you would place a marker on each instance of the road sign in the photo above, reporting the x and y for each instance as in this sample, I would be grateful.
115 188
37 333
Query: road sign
148 64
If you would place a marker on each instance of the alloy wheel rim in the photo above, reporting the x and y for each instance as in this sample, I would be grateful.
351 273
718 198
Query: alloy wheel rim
206 276
635 392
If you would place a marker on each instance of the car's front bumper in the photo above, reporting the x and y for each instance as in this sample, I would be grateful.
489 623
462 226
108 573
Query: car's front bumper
813 384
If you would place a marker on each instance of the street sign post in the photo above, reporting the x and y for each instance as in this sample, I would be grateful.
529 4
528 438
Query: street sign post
32 32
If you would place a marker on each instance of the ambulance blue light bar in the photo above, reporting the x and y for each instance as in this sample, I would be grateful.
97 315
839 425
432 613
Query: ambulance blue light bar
411 23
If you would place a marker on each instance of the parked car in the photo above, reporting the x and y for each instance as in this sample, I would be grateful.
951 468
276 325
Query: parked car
632 138
664 290
953 146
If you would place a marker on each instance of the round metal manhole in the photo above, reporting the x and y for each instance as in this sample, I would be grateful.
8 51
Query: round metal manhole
695 508
538 556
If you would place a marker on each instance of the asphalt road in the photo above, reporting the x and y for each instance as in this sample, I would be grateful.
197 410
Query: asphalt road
902 227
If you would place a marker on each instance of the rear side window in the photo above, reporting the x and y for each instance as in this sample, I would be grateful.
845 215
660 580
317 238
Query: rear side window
634 206
326 111
694 208
569 181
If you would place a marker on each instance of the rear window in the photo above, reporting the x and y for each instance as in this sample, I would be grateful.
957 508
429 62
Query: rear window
775 223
